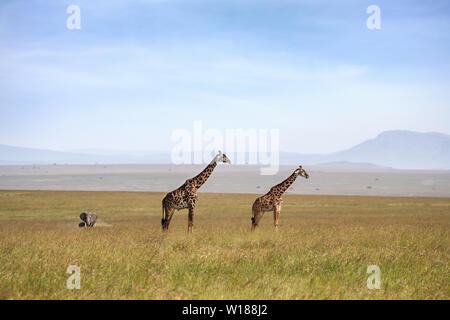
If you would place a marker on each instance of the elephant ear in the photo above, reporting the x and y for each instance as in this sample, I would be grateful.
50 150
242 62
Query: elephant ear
83 216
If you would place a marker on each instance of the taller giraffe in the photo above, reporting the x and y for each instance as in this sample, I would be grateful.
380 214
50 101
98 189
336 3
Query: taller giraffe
185 197
271 201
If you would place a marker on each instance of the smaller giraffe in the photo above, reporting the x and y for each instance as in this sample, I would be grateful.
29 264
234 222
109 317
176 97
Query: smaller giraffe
271 201
185 197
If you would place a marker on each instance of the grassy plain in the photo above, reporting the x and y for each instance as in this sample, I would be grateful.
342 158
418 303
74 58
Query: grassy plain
322 250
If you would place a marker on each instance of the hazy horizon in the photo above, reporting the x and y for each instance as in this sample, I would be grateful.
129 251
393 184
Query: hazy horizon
226 179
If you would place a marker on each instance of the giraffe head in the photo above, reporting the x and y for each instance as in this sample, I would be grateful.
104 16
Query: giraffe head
301 172
221 157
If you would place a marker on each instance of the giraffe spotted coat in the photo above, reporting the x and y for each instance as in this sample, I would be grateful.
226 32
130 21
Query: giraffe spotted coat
185 197
272 200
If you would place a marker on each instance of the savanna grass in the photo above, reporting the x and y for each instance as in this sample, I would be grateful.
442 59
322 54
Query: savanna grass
322 250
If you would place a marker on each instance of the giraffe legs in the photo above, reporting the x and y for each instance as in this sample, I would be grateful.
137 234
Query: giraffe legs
168 216
276 214
257 215
190 220
192 201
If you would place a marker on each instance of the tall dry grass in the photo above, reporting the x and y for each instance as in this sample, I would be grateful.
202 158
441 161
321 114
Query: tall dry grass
322 250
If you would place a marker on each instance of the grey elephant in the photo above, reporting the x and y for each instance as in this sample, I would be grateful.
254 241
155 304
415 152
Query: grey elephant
88 218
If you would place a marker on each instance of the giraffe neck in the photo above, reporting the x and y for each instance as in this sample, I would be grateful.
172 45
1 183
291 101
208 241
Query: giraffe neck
281 188
201 178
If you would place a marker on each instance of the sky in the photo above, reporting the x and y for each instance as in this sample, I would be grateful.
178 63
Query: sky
137 70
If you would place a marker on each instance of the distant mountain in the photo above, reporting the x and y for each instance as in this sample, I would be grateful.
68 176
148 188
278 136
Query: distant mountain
394 149
20 155
398 149
348 164
401 149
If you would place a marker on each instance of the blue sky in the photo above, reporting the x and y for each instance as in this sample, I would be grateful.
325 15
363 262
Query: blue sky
138 70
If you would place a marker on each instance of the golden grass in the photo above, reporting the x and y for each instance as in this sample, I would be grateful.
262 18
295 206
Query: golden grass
322 250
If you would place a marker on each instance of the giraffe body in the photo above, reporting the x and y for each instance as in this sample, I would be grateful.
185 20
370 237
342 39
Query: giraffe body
272 200
267 203
185 197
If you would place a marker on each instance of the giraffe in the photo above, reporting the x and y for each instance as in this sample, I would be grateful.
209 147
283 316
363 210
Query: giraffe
271 201
185 197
